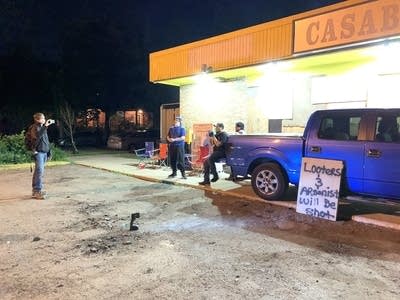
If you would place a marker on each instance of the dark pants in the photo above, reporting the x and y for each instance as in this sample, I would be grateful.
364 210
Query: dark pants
209 164
177 158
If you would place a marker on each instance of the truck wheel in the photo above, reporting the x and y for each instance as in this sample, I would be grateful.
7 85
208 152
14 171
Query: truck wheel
268 182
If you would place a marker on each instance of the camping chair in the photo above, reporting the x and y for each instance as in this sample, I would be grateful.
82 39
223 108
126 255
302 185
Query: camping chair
145 154
197 165
160 155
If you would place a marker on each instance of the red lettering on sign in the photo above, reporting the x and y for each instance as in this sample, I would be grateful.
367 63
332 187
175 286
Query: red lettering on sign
329 34
390 17
313 26
368 26
348 28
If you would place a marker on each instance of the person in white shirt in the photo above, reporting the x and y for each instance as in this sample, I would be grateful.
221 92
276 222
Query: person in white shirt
239 128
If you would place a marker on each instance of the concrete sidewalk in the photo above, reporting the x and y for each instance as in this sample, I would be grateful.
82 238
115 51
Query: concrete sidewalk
129 166
240 189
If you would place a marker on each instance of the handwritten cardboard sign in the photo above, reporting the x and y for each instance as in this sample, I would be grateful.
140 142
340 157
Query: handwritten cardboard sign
319 187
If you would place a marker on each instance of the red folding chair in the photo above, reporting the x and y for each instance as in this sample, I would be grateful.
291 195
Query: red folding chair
160 155
197 165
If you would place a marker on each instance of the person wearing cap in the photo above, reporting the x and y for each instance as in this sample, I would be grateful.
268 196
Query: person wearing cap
218 140
176 150
239 128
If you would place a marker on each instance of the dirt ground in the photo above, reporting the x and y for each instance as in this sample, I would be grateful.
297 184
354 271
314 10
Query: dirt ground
190 244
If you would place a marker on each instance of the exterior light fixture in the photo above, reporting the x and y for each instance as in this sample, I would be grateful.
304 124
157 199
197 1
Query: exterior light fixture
206 69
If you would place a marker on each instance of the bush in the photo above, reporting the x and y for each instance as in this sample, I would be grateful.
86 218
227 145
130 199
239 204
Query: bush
13 151
58 154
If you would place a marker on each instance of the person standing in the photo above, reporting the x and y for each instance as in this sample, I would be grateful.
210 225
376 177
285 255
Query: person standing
219 141
176 151
40 147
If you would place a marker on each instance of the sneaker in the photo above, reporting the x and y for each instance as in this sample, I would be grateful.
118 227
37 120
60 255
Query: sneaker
204 183
215 179
43 192
38 195
172 175
184 176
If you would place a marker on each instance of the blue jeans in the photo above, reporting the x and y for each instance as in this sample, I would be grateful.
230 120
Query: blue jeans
37 180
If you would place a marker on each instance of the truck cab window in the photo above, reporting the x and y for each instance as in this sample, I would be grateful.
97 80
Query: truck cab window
341 128
387 128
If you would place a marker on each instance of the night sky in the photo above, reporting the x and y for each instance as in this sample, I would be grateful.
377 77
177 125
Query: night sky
164 24
96 51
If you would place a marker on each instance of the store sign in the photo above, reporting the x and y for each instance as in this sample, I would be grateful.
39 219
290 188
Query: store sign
375 19
318 193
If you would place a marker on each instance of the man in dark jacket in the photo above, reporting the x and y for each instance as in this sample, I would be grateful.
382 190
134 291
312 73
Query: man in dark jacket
40 151
219 141
176 152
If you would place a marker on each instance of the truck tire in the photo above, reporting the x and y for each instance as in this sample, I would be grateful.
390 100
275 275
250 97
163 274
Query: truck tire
268 181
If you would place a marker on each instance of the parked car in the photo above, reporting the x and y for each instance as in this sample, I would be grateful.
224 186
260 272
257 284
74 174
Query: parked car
83 139
366 140
133 140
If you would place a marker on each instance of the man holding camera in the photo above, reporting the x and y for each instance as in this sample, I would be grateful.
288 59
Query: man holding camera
219 141
40 147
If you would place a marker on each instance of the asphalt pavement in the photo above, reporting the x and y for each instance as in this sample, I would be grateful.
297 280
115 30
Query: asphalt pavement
378 212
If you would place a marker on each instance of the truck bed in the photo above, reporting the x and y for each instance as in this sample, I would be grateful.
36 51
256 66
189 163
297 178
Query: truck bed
247 151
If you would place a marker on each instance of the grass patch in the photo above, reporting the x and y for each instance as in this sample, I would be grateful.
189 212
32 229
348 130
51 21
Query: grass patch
27 165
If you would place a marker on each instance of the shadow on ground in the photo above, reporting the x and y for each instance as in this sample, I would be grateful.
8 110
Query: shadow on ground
279 222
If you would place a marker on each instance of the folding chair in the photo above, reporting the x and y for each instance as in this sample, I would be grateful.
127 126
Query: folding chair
160 155
197 165
145 154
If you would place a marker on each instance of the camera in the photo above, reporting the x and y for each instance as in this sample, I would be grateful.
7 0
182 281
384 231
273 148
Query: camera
51 121
211 133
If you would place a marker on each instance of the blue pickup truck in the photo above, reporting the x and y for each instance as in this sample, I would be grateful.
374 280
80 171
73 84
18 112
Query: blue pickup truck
366 140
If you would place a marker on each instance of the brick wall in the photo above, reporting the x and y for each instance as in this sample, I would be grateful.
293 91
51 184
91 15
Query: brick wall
221 102
230 102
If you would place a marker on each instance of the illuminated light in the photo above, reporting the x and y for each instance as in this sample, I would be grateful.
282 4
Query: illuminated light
386 57
276 66
349 87
203 79
209 92
384 91
384 75
275 94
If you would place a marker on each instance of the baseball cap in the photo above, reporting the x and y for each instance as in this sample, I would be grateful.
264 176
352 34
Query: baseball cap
240 125
220 125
